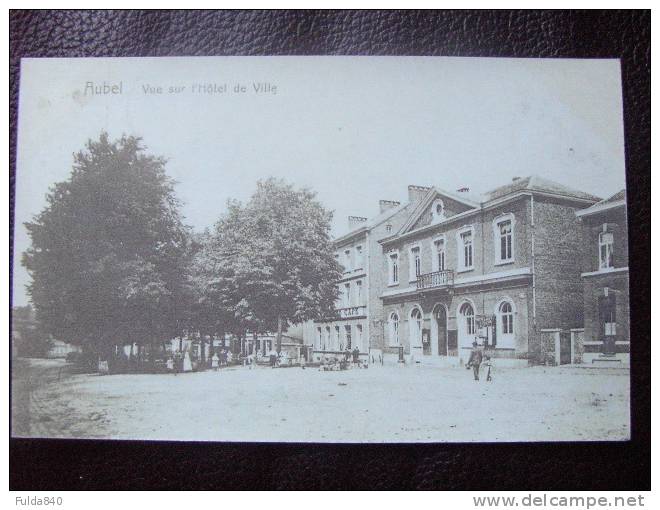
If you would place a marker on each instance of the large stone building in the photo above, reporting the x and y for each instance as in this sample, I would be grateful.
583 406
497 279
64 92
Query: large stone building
426 279
605 279
498 270
357 321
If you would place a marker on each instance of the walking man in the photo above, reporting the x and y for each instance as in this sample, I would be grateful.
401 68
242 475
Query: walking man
476 357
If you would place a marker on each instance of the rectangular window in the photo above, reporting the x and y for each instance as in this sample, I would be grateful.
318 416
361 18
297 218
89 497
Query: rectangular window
506 240
415 263
359 260
347 329
337 342
326 342
347 261
466 250
394 268
320 338
439 255
358 293
347 295
606 250
358 335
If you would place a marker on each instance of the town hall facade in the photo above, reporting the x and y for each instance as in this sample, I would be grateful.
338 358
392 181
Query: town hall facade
426 279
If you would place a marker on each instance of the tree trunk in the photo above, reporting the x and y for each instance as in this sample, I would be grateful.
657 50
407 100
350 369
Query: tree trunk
279 334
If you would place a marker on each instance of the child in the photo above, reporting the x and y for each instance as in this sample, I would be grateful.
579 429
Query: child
488 364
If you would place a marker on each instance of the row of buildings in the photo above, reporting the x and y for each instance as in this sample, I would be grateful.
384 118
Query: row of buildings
532 269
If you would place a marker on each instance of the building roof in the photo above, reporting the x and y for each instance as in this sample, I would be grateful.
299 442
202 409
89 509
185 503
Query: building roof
540 184
616 200
619 195
373 222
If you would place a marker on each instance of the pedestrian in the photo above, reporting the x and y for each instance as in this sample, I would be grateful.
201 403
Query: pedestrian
356 356
273 358
476 357
214 361
489 365
170 364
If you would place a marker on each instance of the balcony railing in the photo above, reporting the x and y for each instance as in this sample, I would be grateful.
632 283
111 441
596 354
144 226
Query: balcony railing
352 311
435 279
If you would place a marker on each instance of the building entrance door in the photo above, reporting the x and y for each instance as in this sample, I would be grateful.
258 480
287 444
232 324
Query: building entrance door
440 330
415 333
466 330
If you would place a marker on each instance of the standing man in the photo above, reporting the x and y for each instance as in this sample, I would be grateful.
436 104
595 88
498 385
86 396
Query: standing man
476 357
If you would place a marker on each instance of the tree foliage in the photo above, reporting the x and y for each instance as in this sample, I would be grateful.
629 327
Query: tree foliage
270 263
109 251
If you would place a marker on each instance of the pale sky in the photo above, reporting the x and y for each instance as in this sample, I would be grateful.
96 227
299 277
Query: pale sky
354 129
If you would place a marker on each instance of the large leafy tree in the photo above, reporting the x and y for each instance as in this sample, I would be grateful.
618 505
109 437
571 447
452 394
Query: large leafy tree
109 250
273 261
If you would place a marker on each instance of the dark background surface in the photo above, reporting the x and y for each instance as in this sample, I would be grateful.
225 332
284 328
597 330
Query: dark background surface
71 465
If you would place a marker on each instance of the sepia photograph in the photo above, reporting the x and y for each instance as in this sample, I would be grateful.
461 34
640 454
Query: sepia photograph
321 250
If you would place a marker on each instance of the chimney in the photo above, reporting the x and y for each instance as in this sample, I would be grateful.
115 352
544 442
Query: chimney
387 204
355 221
416 193
463 190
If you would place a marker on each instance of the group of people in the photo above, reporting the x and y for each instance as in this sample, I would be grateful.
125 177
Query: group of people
275 359
478 358
221 359
350 358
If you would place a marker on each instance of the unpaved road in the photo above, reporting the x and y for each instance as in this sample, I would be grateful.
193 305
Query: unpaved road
396 404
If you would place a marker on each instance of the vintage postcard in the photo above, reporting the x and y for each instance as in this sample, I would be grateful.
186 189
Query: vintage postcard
321 249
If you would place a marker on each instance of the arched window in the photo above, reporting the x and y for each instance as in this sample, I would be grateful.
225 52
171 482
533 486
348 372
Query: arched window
438 211
506 312
394 328
505 327
415 327
467 312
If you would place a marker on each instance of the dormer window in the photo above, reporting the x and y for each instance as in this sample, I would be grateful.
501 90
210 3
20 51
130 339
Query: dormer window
438 211
606 250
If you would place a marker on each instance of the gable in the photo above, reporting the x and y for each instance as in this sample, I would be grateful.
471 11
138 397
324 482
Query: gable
426 212
449 207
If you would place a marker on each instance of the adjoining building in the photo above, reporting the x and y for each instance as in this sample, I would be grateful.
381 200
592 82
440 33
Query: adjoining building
605 280
357 320
497 269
